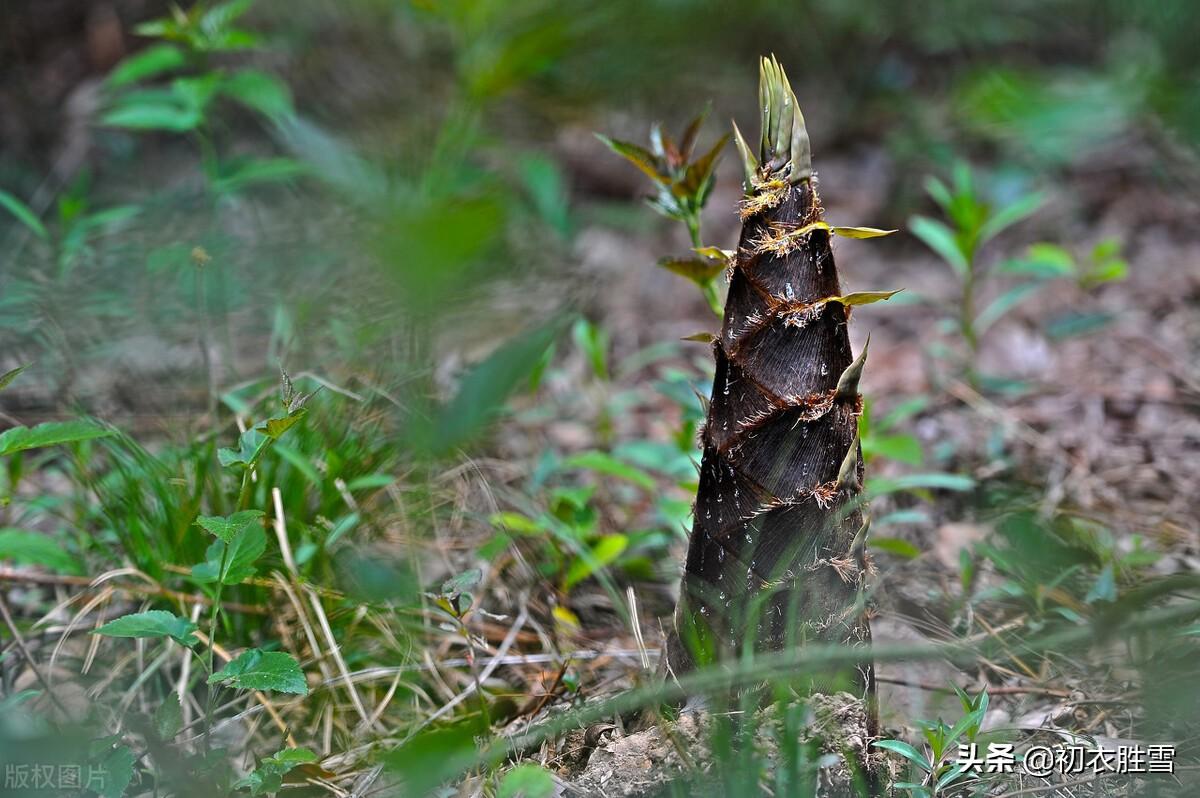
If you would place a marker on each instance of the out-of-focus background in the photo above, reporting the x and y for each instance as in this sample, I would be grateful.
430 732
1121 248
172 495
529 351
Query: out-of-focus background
405 207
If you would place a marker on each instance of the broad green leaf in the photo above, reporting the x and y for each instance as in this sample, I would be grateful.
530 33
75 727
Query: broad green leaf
1104 588
255 171
7 378
878 486
483 391
369 482
608 465
1009 215
902 411
434 756
698 270
168 718
547 189
637 156
196 92
966 722
275 427
247 546
462 582
251 444
268 776
515 522
153 116
941 240
117 767
1107 271
860 232
698 173
152 623
905 750
897 546
259 91
51 433
902 448
902 517
949 776
603 552
940 194
1072 324
152 61
227 527
22 213
1003 304
37 548
526 781
1042 260
221 15
256 669
594 341
864 297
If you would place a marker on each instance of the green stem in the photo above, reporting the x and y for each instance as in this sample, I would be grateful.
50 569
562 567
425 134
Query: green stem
212 646
693 226
244 492
966 323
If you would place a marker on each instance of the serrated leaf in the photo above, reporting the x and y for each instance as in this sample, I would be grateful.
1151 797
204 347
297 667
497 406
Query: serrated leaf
37 548
117 767
227 527
526 781
637 156
860 232
51 433
150 62
22 213
268 776
941 240
256 669
7 378
151 624
168 718
698 270
247 546
864 297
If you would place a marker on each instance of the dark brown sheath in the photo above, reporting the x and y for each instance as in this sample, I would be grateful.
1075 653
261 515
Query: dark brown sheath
776 555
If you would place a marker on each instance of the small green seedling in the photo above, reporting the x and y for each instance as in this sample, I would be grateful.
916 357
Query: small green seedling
937 766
